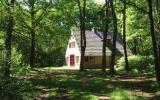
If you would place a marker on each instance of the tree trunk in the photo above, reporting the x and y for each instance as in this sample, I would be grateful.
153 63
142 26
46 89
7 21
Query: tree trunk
112 70
82 49
158 25
154 43
124 37
135 45
82 11
105 37
8 39
32 48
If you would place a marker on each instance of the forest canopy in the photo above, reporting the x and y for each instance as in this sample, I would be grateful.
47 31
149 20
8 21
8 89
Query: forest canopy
39 30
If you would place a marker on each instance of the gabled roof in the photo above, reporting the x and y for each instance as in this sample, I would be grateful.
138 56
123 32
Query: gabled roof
94 43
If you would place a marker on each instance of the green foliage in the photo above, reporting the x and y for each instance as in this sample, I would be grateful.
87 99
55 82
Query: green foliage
14 89
20 70
55 18
138 63
50 58
1 47
137 27
16 58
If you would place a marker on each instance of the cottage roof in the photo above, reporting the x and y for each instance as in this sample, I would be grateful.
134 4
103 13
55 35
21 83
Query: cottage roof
94 43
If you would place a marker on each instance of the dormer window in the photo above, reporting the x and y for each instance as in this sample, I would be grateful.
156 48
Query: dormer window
72 45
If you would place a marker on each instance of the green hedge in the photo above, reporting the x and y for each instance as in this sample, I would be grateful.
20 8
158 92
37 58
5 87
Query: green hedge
138 63
14 89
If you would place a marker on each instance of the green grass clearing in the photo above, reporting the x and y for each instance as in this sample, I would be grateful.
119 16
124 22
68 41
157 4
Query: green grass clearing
65 84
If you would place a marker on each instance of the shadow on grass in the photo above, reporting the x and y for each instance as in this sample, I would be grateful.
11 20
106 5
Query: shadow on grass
72 85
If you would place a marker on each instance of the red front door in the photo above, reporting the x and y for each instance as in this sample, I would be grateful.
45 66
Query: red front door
72 62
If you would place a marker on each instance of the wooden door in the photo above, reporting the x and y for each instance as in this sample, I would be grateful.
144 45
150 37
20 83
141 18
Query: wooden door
72 61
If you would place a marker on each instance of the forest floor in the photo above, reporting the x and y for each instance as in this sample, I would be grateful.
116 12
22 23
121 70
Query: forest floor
63 84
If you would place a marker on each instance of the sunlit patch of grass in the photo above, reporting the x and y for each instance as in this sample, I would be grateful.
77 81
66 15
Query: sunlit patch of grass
79 95
89 97
122 94
53 92
57 68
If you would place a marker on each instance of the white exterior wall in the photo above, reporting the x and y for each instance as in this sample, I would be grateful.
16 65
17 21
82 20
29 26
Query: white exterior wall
72 51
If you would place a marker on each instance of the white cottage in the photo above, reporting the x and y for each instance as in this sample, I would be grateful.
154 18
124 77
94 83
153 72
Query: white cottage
93 53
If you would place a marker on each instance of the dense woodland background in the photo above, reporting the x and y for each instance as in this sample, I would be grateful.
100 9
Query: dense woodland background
55 19
36 32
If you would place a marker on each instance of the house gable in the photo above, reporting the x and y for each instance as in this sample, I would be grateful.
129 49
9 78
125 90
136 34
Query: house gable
72 47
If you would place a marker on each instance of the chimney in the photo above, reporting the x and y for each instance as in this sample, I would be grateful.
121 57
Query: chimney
94 29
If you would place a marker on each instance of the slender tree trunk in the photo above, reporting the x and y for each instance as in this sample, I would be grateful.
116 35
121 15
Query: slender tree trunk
154 43
158 25
112 70
8 39
82 11
124 37
32 48
82 49
142 46
135 46
83 34
105 37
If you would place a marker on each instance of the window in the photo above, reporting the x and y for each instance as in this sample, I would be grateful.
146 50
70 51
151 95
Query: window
77 59
72 45
87 59
67 59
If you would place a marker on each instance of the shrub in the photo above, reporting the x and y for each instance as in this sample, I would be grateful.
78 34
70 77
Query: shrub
14 89
16 58
138 63
51 58
20 70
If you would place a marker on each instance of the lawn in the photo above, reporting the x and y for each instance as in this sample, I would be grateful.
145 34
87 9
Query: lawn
66 84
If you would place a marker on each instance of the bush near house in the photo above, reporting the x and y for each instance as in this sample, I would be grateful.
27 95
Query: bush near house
138 63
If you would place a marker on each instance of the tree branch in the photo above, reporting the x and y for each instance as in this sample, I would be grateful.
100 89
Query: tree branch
135 6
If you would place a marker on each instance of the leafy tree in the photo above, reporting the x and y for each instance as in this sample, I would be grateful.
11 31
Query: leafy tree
82 12
154 43
113 54
106 17
124 36
157 22
8 39
36 10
